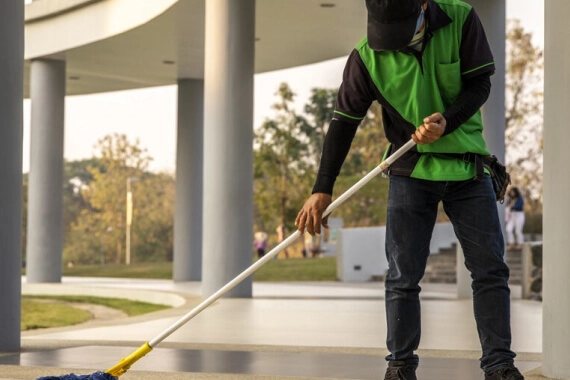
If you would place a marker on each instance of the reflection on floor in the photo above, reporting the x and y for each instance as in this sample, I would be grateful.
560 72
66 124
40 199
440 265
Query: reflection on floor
303 364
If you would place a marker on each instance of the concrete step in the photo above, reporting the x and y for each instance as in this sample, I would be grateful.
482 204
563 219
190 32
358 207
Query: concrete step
442 267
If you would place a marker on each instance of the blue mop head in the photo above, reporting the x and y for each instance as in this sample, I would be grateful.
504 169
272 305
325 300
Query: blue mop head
72 376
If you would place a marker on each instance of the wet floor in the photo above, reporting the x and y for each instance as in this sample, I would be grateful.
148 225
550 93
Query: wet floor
266 363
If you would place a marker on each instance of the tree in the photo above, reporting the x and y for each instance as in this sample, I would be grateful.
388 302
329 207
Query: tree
153 217
367 207
282 163
287 155
320 109
97 233
524 121
77 177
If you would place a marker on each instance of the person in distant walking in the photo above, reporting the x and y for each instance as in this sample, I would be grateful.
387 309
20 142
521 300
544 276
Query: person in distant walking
515 219
260 243
428 64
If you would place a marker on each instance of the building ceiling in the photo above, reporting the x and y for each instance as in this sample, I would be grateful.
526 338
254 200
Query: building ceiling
289 33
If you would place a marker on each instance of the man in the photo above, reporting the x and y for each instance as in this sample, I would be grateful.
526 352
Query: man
428 63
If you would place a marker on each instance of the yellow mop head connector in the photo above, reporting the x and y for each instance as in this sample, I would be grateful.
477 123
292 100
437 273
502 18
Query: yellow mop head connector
126 363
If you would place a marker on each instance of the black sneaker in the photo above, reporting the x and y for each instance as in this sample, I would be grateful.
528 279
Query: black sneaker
400 373
510 372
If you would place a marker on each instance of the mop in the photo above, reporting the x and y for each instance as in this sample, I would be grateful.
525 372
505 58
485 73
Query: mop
126 362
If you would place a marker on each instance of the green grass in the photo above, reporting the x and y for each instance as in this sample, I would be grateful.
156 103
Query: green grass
131 308
297 269
161 270
317 269
38 312
37 315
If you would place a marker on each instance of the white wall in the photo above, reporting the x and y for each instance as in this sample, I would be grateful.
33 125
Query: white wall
361 252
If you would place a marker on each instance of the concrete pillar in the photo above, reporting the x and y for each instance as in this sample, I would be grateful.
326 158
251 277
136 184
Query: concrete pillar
11 131
189 184
556 208
493 15
228 147
45 193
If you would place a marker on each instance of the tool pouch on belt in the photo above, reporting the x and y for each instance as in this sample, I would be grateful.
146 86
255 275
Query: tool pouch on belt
499 176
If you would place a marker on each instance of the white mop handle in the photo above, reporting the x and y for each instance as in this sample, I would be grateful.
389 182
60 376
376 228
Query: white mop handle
280 247
373 173
226 288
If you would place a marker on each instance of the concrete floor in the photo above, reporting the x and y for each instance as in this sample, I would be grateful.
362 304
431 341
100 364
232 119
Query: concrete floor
287 330
265 363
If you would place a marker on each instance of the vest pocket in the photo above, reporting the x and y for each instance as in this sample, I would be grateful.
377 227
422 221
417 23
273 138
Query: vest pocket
448 76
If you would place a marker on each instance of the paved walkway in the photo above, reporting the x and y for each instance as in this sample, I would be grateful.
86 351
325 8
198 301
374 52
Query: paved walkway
287 330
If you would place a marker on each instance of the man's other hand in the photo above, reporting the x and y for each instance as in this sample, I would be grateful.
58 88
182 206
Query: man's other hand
310 216
431 130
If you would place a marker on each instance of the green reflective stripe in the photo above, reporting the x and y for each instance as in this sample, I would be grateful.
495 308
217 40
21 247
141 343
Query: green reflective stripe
477 68
350 117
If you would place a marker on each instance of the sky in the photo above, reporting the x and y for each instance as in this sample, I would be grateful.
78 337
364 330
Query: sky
149 115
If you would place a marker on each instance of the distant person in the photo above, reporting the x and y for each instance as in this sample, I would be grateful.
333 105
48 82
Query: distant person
260 243
311 244
515 219
315 247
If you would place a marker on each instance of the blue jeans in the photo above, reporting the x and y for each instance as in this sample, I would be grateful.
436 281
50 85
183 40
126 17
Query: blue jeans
472 209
